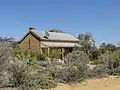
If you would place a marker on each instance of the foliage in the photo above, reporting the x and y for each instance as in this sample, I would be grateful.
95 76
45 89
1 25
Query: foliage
18 69
29 77
55 53
94 54
8 40
41 58
87 45
22 54
20 77
75 67
103 48
112 62
22 69
45 81
5 53
111 47
50 68
76 58
99 71
86 41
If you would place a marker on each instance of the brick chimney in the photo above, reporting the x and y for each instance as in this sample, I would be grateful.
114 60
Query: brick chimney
31 28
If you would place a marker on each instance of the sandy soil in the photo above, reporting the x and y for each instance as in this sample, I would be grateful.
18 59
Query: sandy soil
111 83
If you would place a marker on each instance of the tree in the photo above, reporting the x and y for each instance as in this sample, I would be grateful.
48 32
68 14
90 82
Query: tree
8 40
86 41
87 45
94 54
103 48
111 47
55 30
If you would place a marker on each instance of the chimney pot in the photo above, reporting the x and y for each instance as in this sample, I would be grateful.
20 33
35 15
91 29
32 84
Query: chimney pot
31 28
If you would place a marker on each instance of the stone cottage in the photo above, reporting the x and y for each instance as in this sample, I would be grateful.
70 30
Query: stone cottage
51 43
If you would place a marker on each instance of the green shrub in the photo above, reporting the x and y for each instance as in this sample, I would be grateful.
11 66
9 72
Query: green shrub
41 58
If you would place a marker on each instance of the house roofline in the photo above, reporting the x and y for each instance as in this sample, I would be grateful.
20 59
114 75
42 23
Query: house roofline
29 32
37 37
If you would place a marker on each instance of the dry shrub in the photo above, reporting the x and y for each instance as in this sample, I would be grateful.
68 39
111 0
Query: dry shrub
5 54
19 76
22 76
99 71
75 68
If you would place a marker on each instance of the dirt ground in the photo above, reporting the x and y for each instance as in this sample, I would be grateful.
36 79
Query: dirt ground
111 83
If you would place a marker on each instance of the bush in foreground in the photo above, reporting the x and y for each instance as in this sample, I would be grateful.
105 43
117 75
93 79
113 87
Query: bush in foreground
75 68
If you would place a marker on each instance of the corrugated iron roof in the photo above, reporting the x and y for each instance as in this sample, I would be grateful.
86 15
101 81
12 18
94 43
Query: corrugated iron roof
54 35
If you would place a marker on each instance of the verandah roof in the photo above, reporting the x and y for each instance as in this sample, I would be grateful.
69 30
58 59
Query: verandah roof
57 44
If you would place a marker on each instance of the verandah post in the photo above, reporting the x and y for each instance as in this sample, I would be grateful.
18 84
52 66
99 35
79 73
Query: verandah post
63 53
48 51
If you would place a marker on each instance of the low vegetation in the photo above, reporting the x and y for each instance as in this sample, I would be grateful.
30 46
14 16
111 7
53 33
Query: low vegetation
23 70
75 67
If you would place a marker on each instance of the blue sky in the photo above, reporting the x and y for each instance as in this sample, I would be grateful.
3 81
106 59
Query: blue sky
100 17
